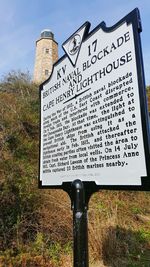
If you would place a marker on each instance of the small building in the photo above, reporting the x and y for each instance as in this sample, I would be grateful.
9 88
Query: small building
46 55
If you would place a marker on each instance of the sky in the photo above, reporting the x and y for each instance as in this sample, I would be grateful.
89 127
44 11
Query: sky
21 22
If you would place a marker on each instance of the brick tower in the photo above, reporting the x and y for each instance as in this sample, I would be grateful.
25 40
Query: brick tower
46 56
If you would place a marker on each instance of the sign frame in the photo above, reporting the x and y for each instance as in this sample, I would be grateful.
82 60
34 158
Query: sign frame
90 187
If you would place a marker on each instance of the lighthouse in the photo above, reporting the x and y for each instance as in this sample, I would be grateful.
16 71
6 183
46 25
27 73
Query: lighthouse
45 56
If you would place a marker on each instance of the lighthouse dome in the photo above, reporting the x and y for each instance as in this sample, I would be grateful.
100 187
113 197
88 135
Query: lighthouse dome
46 33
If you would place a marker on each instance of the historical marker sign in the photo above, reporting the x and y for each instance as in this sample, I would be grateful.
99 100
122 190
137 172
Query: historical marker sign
94 123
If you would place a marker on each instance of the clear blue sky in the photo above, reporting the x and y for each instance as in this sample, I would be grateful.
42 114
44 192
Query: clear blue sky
21 22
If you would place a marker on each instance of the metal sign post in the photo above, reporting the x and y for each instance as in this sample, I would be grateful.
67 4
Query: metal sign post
80 193
80 228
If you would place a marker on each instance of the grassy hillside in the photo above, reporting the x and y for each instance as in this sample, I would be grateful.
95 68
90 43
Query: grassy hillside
36 225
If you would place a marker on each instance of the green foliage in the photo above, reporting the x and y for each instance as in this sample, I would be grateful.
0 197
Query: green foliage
19 198
148 88
16 81
39 244
144 235
139 254
136 210
68 247
55 252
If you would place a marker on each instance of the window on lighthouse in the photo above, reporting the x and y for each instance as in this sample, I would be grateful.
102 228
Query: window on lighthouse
46 51
46 72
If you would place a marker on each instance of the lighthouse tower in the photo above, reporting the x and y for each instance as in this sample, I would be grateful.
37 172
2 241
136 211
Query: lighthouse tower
46 55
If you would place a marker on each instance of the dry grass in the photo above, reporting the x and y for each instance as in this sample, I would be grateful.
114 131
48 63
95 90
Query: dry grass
113 226
66 261
98 264
117 238
116 235
56 216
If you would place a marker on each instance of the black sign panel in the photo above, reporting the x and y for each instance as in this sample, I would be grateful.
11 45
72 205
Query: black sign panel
94 118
